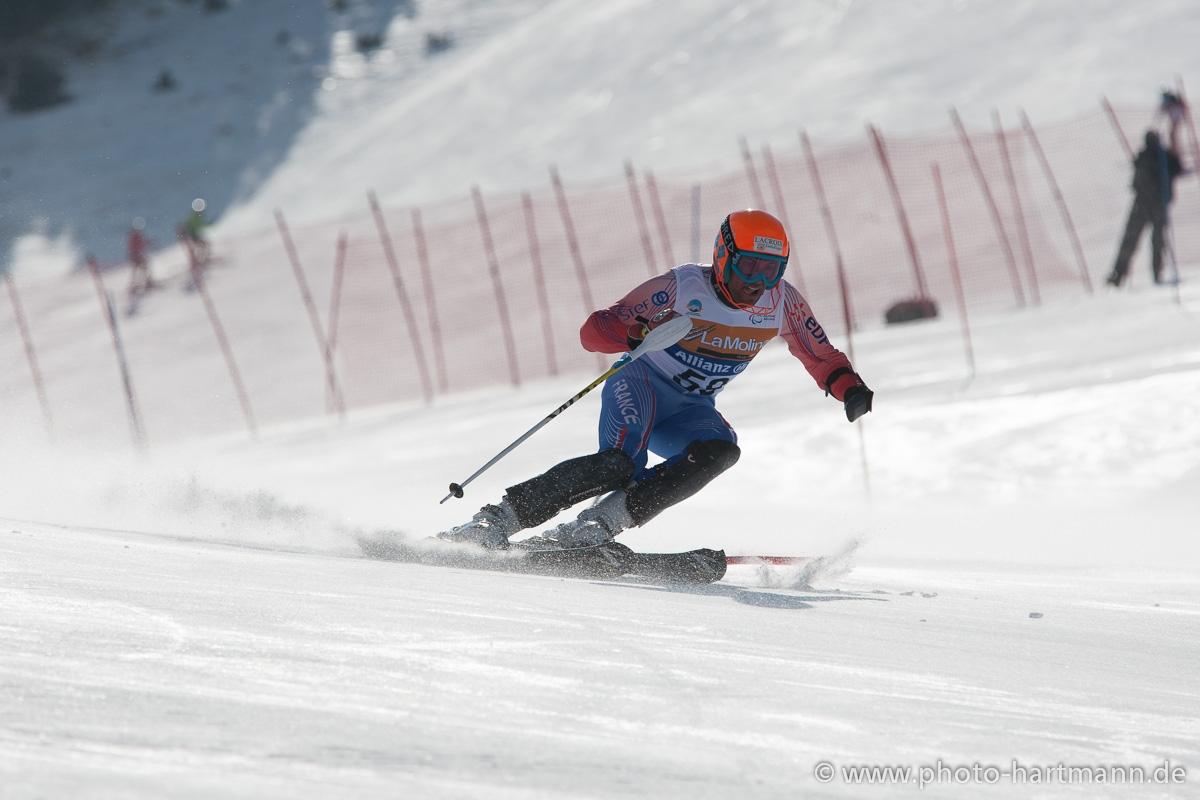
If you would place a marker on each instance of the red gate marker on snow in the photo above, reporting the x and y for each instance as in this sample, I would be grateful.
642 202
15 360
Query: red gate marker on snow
1116 123
660 219
639 215
751 173
30 353
1059 200
435 329
539 281
414 335
1018 211
910 241
796 276
306 295
952 254
136 429
489 248
772 560
993 209
568 223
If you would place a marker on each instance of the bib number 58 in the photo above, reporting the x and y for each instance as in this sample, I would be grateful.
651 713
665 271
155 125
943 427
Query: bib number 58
692 381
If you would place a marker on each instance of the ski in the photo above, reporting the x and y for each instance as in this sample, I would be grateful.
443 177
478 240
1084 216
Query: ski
694 566
601 562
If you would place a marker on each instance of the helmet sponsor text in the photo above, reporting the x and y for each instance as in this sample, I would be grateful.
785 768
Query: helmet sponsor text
768 244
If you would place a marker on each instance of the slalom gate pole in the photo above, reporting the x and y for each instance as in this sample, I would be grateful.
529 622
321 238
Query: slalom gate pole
1169 244
639 216
955 272
660 338
993 209
39 385
1068 223
660 219
110 316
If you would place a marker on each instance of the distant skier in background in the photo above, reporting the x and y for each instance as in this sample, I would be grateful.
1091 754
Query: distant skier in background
665 401
140 280
1174 109
1155 169
191 233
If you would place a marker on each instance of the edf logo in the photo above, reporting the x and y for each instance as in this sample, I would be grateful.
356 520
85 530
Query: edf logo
816 330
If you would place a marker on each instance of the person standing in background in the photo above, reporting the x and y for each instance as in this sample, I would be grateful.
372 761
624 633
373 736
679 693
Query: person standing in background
1155 169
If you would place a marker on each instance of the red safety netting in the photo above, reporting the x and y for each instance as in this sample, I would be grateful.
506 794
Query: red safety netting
491 290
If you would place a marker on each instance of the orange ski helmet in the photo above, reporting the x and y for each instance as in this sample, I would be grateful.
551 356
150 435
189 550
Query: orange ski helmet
752 245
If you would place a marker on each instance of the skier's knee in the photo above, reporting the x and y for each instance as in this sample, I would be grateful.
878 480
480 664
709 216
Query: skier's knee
717 454
675 481
562 486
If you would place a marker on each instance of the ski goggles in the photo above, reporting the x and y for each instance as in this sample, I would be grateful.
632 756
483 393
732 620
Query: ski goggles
758 268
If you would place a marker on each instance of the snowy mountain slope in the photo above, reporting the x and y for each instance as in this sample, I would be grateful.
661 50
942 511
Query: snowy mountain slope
238 646
674 88
249 81
309 124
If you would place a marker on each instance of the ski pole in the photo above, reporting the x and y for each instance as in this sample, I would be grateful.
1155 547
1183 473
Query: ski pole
660 338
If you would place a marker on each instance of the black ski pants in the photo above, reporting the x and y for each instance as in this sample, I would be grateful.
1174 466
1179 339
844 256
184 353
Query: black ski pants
1144 212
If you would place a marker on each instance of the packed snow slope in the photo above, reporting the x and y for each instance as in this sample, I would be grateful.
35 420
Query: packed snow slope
1019 583
275 107
1011 563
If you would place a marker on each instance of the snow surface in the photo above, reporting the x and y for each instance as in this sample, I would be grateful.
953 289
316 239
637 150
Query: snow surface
195 621
198 621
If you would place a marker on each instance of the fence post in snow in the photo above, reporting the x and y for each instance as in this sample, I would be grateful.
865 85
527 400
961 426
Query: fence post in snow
539 281
226 351
831 233
660 219
1116 123
1191 124
489 247
30 354
797 276
435 327
1059 200
136 430
993 209
406 310
751 173
952 255
335 302
902 216
843 286
1018 212
564 213
322 343
639 214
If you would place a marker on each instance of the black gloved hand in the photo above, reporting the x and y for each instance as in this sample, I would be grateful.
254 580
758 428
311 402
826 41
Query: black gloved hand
857 402
637 331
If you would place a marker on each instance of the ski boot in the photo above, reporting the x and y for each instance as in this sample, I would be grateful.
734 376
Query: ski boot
490 527
594 526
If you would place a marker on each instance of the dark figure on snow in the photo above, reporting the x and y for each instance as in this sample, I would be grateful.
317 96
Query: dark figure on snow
140 280
1155 169
665 402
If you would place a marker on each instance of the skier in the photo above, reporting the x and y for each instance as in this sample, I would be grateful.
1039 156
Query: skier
191 233
1154 171
665 401
140 280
